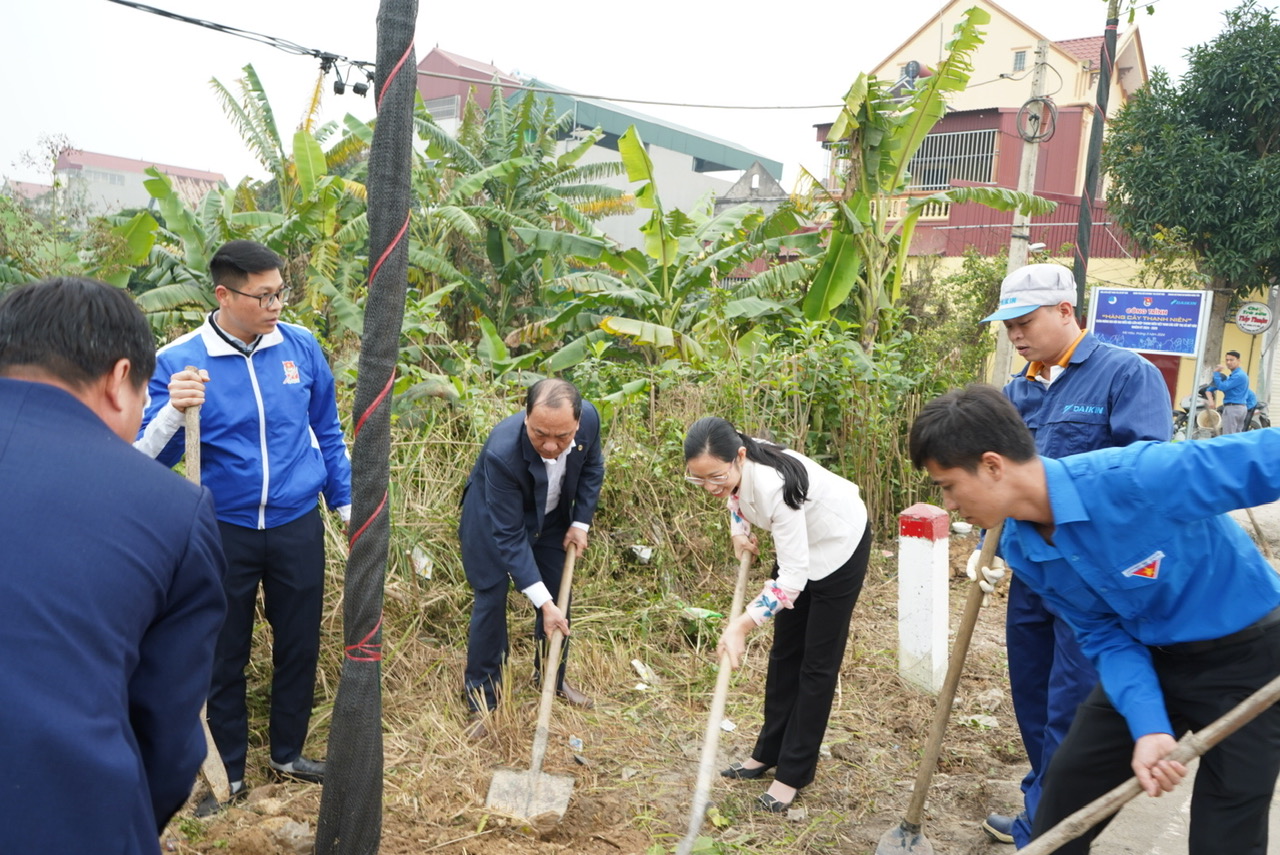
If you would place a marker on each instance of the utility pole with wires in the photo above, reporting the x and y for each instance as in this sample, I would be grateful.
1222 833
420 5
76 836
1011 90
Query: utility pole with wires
1035 125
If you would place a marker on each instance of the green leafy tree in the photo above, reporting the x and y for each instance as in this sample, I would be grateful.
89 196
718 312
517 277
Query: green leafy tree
1199 157
877 133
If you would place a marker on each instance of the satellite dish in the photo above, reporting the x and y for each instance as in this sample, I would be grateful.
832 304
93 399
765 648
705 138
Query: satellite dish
912 70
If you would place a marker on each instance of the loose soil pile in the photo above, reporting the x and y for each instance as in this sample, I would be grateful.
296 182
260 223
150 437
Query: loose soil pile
641 746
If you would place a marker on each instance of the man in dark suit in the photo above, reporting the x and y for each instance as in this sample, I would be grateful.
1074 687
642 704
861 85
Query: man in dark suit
532 492
110 583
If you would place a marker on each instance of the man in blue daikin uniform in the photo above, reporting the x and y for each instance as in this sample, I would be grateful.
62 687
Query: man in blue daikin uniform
270 444
1076 394
1168 596
1232 381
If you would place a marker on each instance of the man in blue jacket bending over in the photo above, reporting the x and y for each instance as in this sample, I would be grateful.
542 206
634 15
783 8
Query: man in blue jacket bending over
1167 595
532 492
270 444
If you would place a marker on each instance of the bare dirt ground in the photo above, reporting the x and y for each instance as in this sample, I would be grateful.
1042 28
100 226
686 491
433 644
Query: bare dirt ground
641 750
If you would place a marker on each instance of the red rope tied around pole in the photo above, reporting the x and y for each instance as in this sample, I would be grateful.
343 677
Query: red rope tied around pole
351 541
372 652
395 72
382 396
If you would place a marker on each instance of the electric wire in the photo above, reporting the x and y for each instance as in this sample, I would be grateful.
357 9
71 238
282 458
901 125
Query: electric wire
329 59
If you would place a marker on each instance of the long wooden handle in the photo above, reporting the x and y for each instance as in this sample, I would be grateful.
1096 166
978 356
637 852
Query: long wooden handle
711 739
191 418
1190 746
955 666
551 667
211 768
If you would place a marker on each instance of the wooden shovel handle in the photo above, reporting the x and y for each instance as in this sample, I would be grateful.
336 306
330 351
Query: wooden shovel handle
551 666
211 769
711 738
191 418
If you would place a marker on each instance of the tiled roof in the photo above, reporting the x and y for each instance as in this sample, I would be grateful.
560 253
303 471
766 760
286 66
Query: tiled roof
1088 49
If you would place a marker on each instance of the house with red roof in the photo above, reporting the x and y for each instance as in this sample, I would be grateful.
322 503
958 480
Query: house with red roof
91 183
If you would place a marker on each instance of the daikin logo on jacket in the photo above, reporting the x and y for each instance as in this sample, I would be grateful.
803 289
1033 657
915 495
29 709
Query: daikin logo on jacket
1092 410
291 372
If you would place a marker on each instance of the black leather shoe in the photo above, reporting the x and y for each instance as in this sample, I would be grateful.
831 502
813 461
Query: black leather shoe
737 770
574 697
769 804
209 805
300 769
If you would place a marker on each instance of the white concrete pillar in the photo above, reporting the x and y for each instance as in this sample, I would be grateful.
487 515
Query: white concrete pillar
923 568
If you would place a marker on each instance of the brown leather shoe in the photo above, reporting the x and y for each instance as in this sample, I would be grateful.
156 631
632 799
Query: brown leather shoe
475 729
574 697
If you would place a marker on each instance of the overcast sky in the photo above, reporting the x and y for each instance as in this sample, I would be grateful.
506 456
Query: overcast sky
116 80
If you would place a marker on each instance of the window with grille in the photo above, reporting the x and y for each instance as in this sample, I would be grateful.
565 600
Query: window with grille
958 156
1019 60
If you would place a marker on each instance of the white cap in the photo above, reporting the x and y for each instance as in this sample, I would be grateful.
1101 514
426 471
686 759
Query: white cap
1028 288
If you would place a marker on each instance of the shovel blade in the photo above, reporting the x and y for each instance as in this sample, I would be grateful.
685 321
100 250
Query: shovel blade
903 839
529 795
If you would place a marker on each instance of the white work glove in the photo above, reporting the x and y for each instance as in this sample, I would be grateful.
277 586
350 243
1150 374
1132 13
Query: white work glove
990 576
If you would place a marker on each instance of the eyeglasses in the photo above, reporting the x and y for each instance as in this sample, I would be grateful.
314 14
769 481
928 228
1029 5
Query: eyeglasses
266 301
714 480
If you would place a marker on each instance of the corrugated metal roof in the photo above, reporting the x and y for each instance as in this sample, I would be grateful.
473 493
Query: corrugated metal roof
714 153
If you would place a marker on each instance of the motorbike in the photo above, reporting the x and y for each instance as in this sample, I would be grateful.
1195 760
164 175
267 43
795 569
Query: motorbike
1211 426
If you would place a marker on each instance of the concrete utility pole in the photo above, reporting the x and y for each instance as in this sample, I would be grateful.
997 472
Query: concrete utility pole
1020 239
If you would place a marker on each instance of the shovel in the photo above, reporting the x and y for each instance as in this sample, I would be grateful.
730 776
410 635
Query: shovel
711 741
537 795
907 836
211 769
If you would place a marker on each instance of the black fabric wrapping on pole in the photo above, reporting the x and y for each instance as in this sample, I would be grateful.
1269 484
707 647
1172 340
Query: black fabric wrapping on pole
351 804
1093 160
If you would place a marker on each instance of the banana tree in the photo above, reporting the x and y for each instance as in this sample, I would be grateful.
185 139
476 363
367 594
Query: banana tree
656 298
504 209
878 132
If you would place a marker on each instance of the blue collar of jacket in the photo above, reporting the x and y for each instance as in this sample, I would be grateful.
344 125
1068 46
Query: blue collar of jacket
1065 503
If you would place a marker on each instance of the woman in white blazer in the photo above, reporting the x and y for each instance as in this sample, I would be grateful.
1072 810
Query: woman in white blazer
821 542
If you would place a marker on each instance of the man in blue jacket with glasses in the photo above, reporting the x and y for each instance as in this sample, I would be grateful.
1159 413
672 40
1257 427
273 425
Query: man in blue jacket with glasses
270 444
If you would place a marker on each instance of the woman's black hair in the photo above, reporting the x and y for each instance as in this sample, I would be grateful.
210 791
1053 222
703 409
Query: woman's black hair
715 436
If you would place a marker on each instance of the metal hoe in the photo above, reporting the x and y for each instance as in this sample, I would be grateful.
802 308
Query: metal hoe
907 836
537 795
211 769
711 741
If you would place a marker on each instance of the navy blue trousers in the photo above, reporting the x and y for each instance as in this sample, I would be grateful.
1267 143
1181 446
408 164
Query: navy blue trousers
288 562
1049 677
487 643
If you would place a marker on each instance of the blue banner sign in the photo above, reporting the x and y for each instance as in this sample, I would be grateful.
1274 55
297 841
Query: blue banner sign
1150 321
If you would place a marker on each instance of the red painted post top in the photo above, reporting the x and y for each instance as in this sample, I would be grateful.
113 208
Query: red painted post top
929 522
